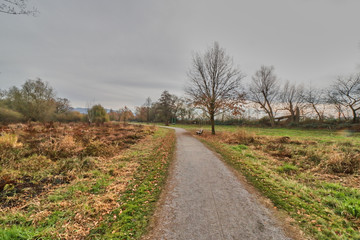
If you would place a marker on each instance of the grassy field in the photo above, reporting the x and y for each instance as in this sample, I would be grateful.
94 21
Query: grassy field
75 181
313 175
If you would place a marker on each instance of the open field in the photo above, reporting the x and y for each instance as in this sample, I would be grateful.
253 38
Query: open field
312 175
75 181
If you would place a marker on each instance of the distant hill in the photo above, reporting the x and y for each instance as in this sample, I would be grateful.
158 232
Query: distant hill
80 110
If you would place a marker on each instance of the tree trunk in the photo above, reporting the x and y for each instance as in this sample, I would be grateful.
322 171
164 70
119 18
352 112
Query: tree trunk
212 120
297 115
354 115
318 113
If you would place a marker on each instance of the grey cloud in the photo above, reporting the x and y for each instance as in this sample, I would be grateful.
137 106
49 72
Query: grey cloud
120 52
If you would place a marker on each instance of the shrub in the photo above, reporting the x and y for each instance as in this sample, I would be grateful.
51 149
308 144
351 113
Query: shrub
69 117
97 114
10 116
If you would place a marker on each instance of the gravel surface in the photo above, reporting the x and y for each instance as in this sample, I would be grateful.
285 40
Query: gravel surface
205 200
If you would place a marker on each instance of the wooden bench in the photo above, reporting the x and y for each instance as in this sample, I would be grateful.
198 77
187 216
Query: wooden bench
199 132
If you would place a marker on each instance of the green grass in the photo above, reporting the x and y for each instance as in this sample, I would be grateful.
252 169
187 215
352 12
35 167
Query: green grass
287 168
321 135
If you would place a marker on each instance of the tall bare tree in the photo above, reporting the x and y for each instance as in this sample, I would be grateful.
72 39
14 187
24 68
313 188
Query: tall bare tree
346 92
292 98
214 82
264 89
16 7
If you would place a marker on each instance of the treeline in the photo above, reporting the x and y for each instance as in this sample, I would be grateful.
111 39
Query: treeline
168 109
292 102
264 101
35 100
267 101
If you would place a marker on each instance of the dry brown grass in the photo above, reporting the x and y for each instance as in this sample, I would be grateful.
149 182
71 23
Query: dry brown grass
342 162
331 160
76 169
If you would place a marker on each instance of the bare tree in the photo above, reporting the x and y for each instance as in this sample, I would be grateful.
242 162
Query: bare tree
313 99
147 104
346 92
333 99
214 82
292 98
264 89
16 7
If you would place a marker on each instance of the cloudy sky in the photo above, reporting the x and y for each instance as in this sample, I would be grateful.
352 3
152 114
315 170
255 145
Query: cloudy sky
119 52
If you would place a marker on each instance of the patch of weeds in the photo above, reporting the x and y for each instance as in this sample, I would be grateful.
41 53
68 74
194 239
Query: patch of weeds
239 147
18 233
287 168
313 157
249 155
100 185
340 162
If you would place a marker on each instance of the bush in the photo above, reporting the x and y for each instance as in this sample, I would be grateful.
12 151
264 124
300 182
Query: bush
69 117
10 116
97 114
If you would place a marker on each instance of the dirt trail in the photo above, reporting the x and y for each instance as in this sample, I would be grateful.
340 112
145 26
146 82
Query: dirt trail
205 200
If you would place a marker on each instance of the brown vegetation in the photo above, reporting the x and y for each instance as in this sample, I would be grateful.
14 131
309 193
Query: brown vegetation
37 157
331 160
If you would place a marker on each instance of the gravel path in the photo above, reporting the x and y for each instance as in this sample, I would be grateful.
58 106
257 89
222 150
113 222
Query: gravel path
205 200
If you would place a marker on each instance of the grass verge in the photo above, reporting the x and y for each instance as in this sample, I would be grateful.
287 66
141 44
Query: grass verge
137 203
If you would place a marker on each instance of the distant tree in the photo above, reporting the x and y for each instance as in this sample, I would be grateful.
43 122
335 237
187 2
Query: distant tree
333 99
264 90
346 92
114 115
126 114
214 82
142 114
313 99
179 108
97 114
166 106
292 99
16 7
147 104
35 100
62 105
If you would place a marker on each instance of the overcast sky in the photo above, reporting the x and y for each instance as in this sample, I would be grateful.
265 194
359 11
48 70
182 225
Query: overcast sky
119 52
